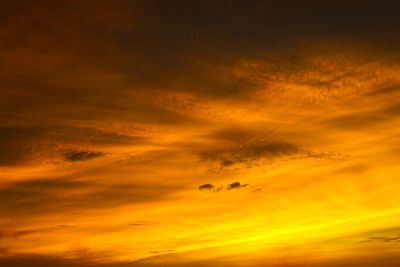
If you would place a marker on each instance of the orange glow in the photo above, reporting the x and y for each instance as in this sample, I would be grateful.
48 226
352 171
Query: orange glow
121 145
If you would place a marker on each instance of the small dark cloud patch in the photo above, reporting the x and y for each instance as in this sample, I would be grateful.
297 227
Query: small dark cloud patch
235 185
206 187
73 156
211 187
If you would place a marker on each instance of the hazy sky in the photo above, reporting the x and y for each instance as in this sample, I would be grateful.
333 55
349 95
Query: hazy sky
199 133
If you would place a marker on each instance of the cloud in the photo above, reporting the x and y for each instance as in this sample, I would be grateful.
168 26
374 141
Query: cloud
93 79
250 152
235 185
206 187
82 155
211 187
386 235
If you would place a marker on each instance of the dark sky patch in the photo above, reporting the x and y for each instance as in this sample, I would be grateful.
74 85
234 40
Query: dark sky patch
117 46
17 144
385 90
38 197
12 234
73 156
37 144
232 134
363 119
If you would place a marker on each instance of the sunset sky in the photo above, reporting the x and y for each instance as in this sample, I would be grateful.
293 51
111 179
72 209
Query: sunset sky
200 133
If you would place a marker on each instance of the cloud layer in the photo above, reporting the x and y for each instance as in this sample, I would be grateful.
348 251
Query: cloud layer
120 120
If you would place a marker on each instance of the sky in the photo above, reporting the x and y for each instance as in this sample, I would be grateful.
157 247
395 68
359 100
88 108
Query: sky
199 133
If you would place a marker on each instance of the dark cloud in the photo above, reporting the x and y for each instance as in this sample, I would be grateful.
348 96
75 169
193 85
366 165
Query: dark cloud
249 152
206 187
82 155
211 187
235 185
